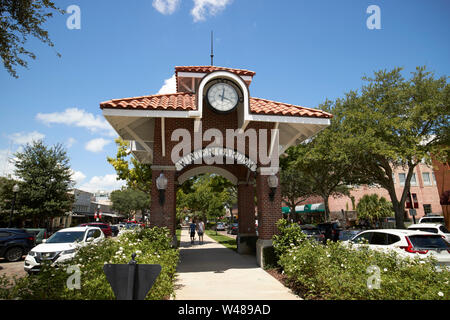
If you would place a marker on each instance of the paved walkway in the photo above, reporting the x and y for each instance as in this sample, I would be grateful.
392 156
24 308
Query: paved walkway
210 271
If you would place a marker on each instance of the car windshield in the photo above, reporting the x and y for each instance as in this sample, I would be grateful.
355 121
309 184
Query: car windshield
432 230
311 231
429 242
131 226
431 220
66 237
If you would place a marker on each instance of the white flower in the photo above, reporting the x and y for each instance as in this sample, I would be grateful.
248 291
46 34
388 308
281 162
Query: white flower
440 294
138 251
385 269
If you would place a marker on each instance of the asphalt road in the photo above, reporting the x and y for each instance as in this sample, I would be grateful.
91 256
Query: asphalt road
12 268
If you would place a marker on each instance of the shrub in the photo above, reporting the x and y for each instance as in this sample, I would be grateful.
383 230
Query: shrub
340 272
153 246
290 235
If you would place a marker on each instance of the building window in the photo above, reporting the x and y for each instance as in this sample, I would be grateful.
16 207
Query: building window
402 178
426 179
427 208
434 178
413 180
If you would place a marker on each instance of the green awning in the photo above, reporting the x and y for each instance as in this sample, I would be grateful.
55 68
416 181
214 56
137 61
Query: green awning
310 208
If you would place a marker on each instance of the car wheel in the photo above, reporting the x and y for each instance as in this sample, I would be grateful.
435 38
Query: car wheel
14 254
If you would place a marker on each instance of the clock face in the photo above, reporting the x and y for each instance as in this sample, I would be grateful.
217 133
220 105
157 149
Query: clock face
222 97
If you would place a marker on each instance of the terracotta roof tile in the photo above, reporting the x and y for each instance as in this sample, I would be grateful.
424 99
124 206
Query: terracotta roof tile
184 101
175 101
209 69
268 107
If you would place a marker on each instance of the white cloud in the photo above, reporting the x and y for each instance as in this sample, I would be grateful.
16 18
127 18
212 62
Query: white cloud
78 118
202 8
97 145
24 137
77 176
106 183
166 6
170 86
6 163
70 142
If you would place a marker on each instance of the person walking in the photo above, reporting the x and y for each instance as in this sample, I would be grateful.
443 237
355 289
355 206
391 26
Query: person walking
192 228
200 231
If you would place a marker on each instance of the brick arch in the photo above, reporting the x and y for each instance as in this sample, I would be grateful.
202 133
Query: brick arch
227 174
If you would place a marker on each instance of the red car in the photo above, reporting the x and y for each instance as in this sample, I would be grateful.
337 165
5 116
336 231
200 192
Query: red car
106 228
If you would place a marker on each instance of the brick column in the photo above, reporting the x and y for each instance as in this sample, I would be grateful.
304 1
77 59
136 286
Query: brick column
246 211
269 212
164 215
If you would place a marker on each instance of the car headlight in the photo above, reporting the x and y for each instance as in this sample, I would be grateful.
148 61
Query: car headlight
32 253
68 251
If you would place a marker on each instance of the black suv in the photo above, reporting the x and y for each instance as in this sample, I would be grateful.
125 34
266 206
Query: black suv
14 243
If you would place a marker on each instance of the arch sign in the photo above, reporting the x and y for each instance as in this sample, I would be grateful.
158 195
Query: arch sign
215 154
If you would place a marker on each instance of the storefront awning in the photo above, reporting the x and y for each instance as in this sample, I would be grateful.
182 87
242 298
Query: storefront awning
307 208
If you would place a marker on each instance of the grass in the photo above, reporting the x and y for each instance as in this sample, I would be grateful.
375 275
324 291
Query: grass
228 242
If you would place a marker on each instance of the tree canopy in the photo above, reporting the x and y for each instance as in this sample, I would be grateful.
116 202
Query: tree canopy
128 201
373 208
137 175
18 21
44 177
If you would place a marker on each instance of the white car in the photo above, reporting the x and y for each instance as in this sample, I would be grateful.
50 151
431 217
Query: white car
432 219
129 227
433 228
408 243
61 246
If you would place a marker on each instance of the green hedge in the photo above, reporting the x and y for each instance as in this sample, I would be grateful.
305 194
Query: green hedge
153 246
341 272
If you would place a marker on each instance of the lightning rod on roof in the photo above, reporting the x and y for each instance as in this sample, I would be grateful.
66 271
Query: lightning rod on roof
212 49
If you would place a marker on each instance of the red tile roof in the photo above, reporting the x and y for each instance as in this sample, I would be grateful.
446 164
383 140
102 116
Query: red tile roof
174 101
184 101
209 69
268 107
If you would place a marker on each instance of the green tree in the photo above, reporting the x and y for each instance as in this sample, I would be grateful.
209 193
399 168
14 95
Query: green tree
18 21
137 175
295 188
395 123
373 208
128 201
324 163
44 177
6 197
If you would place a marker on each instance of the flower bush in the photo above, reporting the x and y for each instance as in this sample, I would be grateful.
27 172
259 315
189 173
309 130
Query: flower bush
152 246
340 272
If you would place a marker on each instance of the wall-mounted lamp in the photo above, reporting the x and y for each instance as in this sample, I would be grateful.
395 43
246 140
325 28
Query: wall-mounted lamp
273 184
161 184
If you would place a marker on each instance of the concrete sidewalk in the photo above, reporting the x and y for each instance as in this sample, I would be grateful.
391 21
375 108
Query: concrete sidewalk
210 271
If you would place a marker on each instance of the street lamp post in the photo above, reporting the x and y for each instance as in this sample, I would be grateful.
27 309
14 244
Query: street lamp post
15 190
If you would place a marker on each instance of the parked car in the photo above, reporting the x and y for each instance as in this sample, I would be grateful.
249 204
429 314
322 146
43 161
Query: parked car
115 230
346 235
220 226
106 228
432 219
61 246
39 234
330 230
233 228
129 227
312 232
14 243
408 243
433 228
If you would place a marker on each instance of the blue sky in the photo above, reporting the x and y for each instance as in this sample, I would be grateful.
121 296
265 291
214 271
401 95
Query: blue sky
302 52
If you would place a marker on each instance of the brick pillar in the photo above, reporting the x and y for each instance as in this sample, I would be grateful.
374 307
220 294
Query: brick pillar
164 215
246 211
269 212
